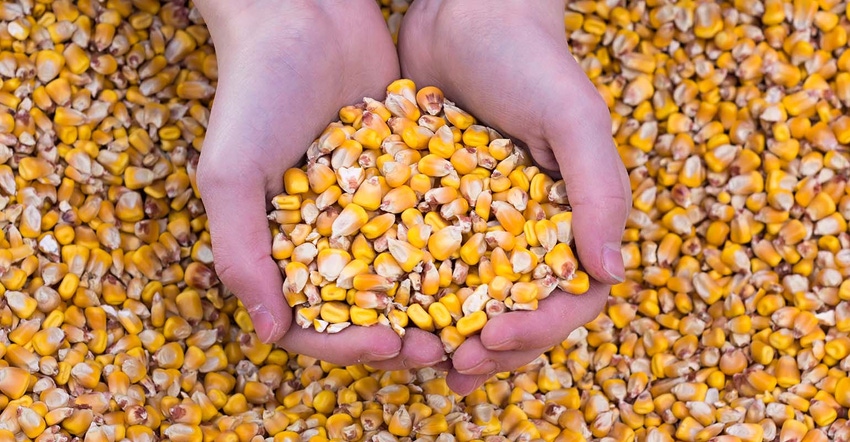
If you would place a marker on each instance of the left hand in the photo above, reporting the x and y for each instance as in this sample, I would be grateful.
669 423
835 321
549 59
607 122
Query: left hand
274 93
510 65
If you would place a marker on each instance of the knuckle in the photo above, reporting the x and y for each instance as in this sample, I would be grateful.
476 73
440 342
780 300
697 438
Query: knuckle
591 108
598 109
212 177
227 272
220 170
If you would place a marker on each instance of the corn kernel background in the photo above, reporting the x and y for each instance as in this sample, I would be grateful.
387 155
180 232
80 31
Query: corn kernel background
732 325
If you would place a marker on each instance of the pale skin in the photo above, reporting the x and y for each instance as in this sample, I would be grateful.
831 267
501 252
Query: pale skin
285 70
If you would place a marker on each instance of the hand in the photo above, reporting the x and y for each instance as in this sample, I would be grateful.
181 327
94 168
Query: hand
285 70
510 66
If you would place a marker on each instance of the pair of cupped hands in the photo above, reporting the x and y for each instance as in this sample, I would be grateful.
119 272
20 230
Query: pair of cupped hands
285 70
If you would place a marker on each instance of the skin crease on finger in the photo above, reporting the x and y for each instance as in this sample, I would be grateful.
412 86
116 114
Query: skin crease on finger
526 85
273 95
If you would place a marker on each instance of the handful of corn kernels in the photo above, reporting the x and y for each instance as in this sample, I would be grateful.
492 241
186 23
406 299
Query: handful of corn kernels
415 215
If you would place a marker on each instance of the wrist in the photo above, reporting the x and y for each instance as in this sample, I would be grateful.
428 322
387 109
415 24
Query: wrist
505 6
230 21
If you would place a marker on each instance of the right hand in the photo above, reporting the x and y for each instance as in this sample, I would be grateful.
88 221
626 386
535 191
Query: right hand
511 67
285 70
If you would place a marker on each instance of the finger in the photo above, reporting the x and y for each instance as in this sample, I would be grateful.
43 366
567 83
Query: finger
555 318
464 384
241 240
473 359
596 182
419 349
353 345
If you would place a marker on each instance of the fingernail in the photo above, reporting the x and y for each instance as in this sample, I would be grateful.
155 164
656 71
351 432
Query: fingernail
439 360
378 357
430 362
412 363
264 324
612 262
508 344
484 367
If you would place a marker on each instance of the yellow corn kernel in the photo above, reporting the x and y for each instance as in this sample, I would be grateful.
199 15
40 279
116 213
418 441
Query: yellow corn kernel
420 317
472 323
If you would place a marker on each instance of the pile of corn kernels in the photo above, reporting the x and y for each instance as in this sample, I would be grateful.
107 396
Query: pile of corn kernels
732 325
407 213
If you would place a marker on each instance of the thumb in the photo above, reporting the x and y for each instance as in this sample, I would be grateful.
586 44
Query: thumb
596 182
241 242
